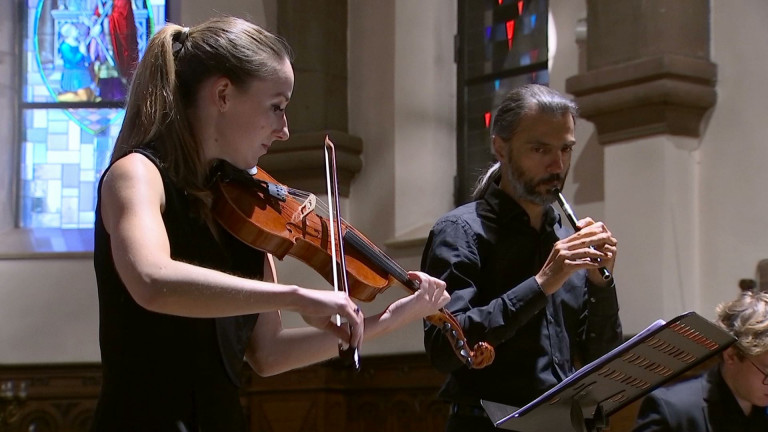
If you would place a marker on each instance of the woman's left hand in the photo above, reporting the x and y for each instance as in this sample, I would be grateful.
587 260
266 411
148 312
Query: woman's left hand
427 300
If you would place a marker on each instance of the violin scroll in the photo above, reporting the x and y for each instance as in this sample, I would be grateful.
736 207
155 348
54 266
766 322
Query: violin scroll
480 356
477 357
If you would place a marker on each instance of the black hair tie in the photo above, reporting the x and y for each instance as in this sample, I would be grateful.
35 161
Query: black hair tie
183 35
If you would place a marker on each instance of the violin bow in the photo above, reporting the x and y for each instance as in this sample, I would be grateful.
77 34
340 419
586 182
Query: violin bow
350 354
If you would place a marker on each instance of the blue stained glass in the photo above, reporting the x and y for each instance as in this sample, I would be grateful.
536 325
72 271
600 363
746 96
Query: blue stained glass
58 127
87 195
41 153
86 162
529 25
56 143
87 218
70 176
48 172
69 58
493 45
69 213
89 138
36 134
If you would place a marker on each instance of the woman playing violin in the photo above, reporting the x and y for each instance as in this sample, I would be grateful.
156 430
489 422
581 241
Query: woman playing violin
182 302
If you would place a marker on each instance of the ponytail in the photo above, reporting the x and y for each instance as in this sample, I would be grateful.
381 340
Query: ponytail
493 175
151 105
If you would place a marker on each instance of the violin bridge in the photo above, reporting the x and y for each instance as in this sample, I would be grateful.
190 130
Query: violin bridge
307 207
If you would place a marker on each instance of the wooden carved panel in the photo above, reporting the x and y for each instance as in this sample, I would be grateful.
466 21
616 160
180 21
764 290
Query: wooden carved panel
391 393
59 398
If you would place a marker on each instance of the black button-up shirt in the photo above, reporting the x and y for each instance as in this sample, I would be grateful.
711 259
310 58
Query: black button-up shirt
704 403
488 253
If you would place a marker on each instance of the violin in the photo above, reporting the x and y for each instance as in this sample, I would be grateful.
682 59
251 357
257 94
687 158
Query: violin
279 220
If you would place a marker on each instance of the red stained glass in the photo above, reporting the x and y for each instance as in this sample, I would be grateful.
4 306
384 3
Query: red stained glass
510 33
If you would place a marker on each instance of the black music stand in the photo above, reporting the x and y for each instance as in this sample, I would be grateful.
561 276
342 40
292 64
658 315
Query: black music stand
587 398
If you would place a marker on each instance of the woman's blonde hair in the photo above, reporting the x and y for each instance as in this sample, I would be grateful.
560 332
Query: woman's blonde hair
746 318
165 84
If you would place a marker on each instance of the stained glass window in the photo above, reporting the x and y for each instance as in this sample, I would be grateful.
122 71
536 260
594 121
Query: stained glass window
502 45
78 57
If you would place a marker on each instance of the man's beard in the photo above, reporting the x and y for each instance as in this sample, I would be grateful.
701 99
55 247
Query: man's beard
528 189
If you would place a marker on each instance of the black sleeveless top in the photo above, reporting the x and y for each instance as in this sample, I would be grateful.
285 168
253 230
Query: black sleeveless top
163 372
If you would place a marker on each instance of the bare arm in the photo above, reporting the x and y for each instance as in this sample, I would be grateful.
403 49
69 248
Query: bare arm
132 203
274 349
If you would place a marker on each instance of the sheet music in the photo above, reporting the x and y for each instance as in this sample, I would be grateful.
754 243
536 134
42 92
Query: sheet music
590 367
651 358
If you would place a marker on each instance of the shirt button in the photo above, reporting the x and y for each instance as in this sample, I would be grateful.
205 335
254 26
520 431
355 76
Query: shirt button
556 359
592 299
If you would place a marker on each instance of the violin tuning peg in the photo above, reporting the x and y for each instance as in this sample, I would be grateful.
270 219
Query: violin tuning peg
459 344
446 327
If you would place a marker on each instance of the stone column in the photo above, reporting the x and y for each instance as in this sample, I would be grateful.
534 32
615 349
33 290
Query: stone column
317 32
648 86
648 68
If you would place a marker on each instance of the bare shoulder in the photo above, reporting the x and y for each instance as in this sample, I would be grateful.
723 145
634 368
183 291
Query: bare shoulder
133 169
132 184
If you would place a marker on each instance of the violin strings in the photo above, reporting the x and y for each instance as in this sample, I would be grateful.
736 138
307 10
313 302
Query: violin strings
303 196
382 259
320 204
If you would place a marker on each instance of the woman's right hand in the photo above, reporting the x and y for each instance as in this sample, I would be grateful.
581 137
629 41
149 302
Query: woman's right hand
319 307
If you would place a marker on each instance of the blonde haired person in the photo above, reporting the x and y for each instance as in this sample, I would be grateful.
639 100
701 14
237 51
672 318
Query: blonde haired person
182 302
730 397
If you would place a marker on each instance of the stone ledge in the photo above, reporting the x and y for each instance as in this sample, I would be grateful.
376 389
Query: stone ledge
667 94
